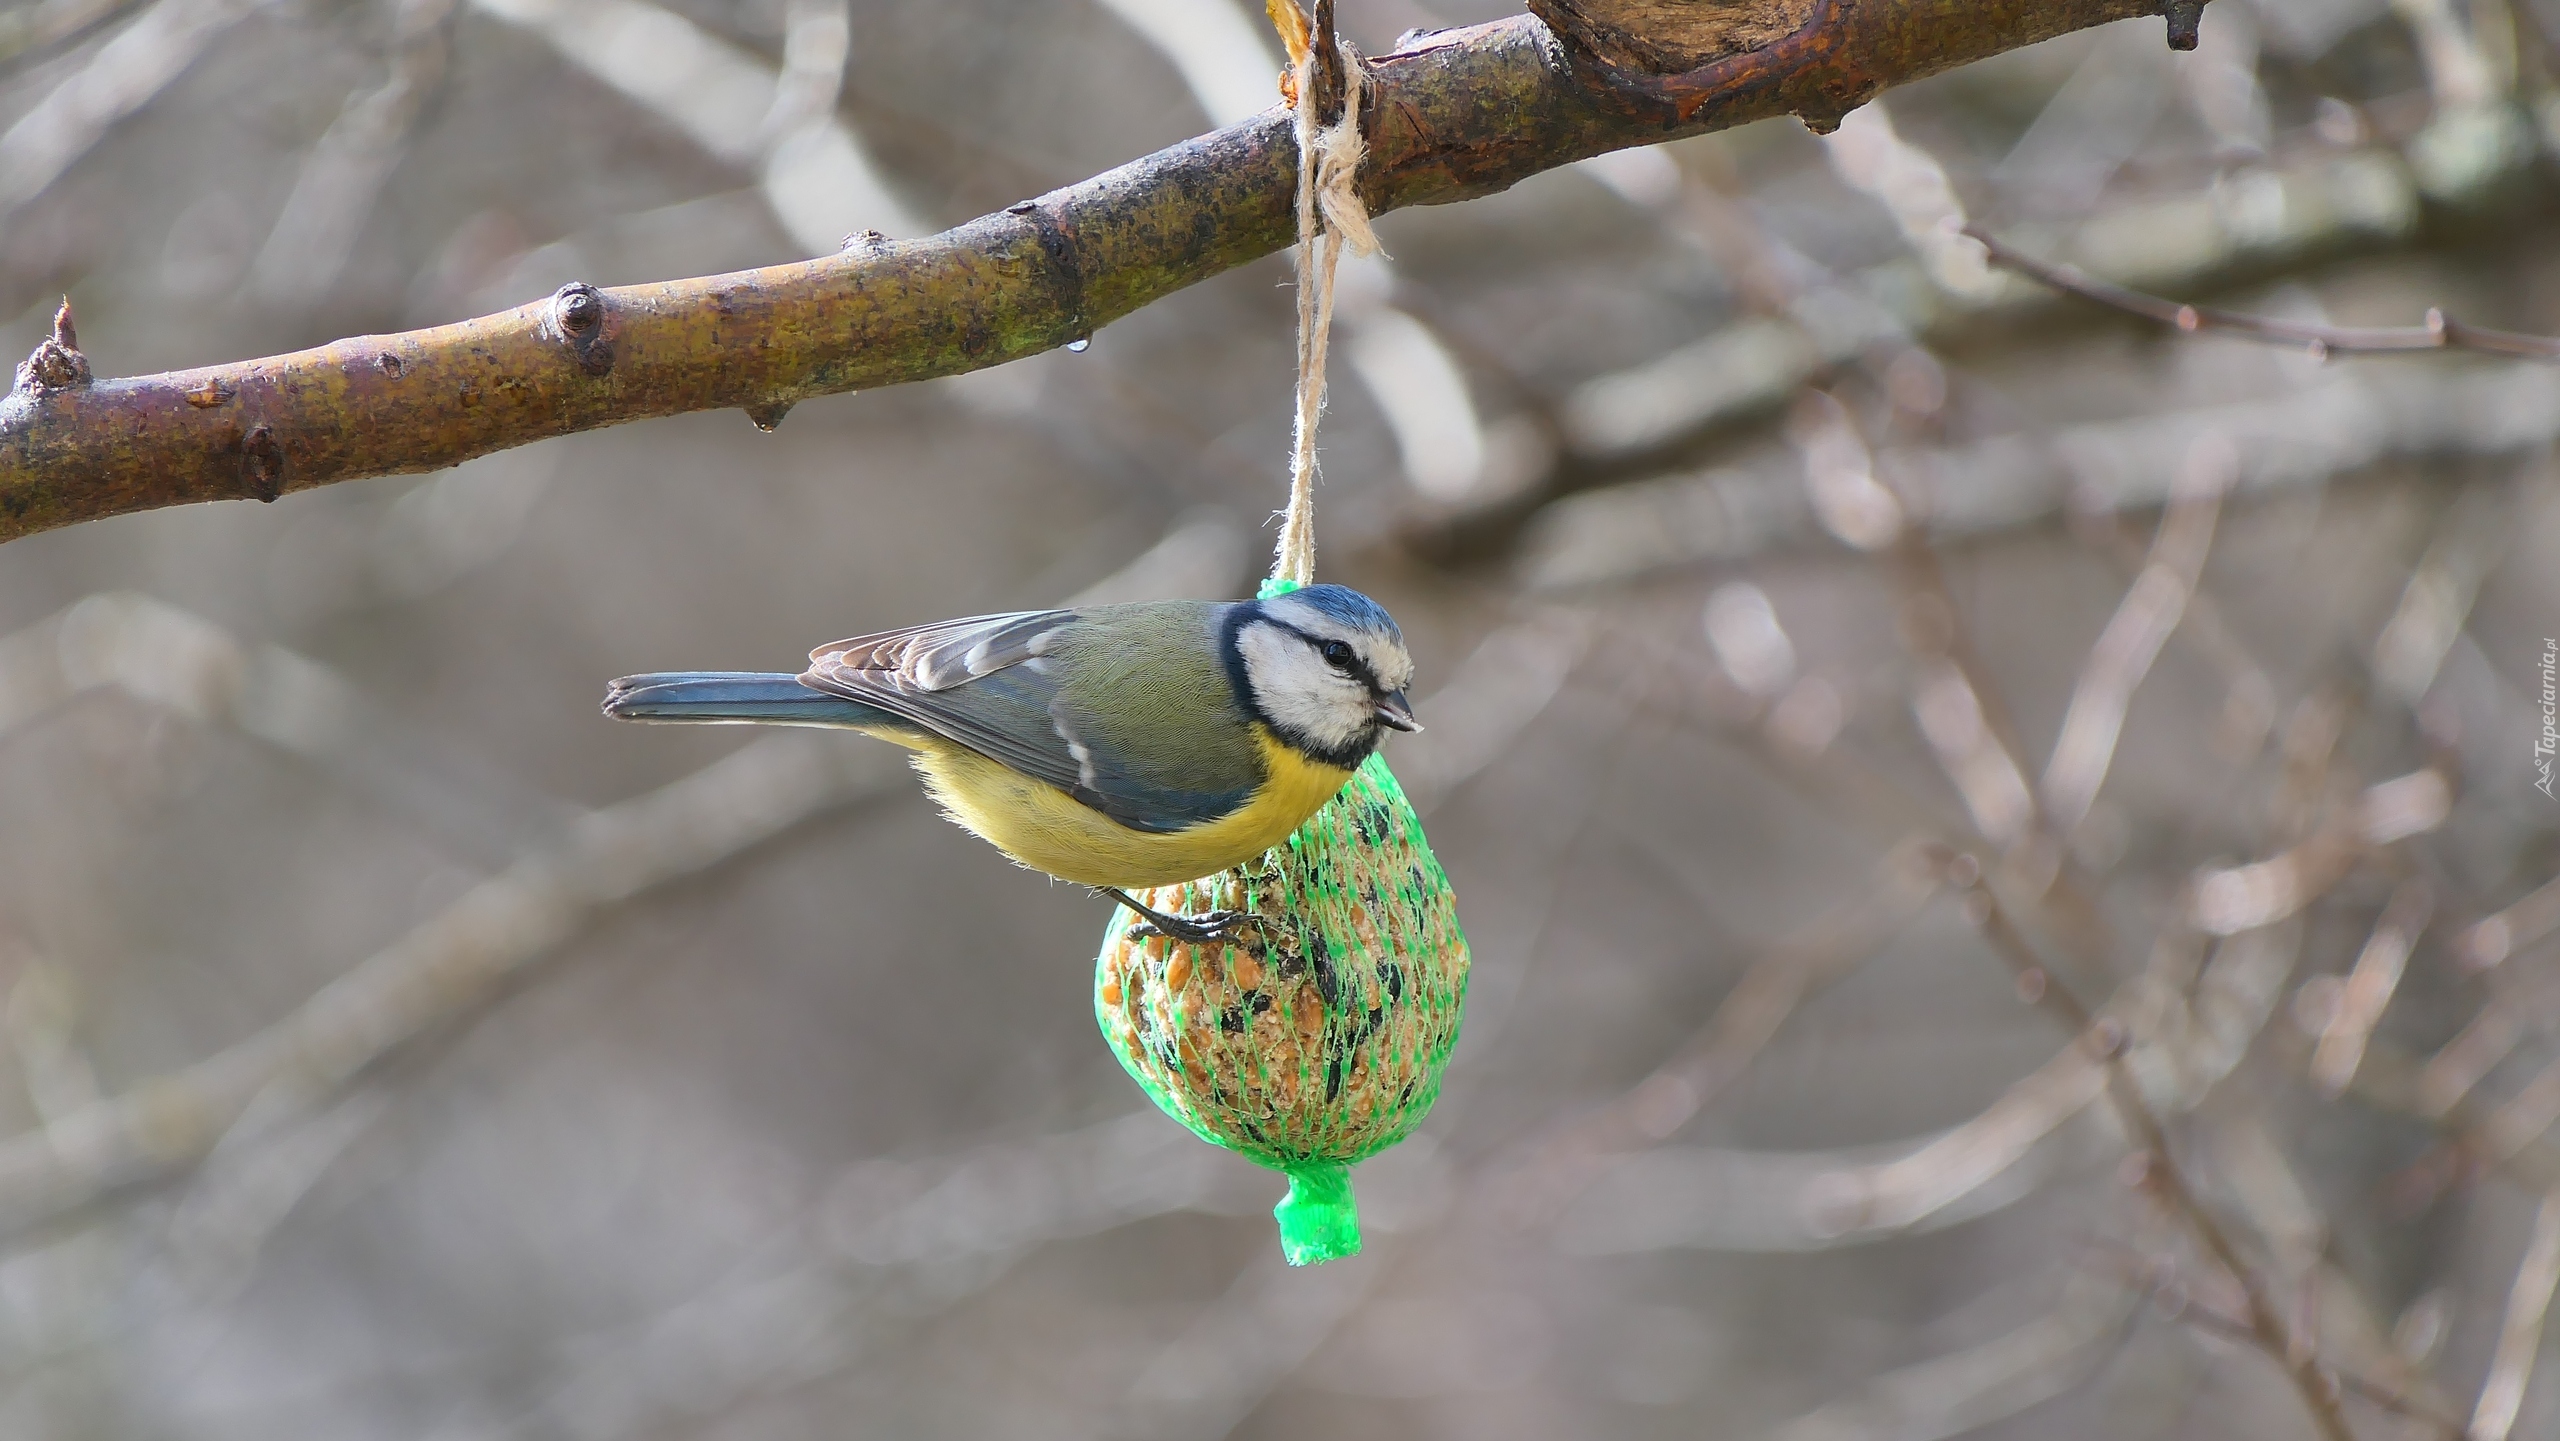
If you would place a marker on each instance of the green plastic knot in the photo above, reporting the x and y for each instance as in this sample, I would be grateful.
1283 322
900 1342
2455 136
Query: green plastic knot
1319 1221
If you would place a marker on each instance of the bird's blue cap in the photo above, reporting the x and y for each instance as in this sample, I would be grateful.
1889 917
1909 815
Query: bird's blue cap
1342 603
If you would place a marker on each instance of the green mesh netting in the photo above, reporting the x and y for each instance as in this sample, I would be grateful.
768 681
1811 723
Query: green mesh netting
1317 1036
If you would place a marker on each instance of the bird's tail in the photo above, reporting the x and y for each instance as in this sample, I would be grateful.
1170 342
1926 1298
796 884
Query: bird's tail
736 698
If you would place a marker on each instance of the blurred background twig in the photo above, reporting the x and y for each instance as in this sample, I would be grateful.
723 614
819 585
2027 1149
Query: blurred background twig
1807 604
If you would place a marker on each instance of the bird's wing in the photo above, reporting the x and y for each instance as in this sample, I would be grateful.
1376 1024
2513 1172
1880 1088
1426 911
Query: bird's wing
988 683
946 653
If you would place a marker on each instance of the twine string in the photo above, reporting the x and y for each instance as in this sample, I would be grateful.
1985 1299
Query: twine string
1331 217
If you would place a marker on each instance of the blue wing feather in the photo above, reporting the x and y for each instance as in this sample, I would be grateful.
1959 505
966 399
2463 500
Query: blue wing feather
739 697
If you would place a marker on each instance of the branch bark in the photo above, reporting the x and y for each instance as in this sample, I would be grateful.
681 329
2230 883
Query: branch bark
1459 114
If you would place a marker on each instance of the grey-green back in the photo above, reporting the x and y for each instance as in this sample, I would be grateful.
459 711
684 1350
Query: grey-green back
1129 708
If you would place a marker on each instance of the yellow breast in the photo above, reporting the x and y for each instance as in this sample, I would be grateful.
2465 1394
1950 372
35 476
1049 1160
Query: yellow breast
1046 829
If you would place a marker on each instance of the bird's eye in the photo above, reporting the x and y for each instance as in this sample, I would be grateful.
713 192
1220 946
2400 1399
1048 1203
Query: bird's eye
1337 654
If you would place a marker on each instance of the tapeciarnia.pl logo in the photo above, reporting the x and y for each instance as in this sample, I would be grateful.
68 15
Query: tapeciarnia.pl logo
2549 741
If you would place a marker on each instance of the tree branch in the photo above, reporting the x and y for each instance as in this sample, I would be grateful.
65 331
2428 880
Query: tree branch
2439 332
2158 1169
1461 114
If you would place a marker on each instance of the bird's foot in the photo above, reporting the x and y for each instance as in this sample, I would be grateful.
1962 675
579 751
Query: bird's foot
1209 928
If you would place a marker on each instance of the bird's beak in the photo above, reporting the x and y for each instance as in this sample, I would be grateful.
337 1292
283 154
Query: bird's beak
1396 712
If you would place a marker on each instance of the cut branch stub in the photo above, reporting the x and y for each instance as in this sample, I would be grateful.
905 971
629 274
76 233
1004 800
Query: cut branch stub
1688 61
1675 56
1670 37
2186 20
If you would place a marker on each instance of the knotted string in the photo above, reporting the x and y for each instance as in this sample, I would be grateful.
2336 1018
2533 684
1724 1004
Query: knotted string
1318 1219
1330 217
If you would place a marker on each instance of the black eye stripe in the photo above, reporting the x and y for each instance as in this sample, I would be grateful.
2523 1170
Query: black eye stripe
1359 667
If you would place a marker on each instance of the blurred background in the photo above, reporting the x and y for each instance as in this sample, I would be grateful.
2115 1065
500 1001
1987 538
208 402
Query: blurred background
1842 660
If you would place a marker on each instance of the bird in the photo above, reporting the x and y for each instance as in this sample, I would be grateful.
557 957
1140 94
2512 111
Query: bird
1118 747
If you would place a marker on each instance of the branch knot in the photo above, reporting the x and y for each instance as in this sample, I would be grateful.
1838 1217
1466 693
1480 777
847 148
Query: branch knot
262 464
576 315
56 363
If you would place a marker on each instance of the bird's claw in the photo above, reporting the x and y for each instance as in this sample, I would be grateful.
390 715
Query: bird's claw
1209 928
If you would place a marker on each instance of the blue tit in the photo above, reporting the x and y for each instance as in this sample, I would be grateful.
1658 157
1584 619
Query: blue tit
1118 746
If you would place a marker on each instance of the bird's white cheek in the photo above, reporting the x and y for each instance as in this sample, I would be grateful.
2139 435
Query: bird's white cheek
1325 715
1300 693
